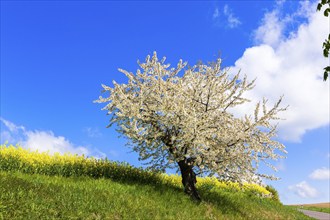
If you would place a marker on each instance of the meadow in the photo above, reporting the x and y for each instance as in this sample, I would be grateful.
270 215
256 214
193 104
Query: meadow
319 207
41 186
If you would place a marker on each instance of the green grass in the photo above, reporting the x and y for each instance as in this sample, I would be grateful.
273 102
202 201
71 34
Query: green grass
312 208
37 185
35 196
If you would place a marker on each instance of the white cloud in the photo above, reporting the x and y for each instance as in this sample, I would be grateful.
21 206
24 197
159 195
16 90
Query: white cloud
92 132
274 23
292 66
232 20
227 15
270 32
12 134
216 13
47 141
11 126
43 141
304 190
320 174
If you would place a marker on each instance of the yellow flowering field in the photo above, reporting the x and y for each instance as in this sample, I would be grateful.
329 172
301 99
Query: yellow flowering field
16 158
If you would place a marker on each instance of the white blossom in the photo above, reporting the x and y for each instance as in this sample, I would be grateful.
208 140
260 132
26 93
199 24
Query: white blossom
170 116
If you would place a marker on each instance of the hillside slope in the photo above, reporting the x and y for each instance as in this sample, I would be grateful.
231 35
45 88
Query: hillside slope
35 196
35 185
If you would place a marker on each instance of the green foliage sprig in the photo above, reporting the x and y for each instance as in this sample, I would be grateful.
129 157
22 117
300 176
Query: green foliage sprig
274 192
326 43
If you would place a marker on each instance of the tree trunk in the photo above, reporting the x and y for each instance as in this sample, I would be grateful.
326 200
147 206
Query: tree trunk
189 179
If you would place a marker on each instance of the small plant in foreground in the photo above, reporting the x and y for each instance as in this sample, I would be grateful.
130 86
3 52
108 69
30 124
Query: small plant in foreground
274 193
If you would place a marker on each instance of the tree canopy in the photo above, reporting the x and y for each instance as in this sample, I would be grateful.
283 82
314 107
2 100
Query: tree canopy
183 116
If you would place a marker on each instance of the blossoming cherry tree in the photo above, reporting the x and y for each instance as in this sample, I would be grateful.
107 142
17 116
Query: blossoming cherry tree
182 116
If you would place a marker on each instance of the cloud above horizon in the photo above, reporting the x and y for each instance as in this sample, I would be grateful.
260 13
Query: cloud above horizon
43 141
320 174
289 64
304 190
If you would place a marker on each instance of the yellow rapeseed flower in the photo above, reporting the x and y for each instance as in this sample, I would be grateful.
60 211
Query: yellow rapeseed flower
68 164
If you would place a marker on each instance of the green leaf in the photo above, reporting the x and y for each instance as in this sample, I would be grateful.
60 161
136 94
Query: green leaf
325 76
319 6
323 2
326 73
326 12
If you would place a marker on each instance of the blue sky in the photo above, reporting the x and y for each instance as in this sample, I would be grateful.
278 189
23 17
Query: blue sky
55 55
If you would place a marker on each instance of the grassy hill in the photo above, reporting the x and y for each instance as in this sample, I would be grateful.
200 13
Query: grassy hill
26 196
72 187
